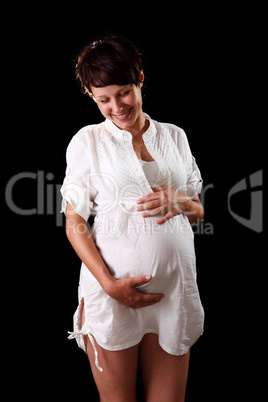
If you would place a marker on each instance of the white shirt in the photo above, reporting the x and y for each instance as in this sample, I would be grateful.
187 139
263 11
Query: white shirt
105 178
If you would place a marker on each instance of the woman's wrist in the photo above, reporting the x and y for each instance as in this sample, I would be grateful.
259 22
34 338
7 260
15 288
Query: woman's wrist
107 282
185 204
194 211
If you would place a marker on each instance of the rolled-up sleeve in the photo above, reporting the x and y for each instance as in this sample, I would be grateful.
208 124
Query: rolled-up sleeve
77 188
194 179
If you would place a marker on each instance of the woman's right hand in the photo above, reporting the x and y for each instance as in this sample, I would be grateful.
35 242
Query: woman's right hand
125 292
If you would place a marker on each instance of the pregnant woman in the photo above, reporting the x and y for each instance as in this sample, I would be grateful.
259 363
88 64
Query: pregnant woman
139 304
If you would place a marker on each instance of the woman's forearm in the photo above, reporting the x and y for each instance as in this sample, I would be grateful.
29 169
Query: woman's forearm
195 211
80 238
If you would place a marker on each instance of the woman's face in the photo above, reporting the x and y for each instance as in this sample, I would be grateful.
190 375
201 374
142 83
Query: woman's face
120 104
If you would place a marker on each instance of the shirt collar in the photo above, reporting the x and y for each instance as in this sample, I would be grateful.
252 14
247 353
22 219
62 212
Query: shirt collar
125 135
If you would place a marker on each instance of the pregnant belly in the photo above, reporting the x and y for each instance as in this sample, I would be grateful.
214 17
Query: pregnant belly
144 248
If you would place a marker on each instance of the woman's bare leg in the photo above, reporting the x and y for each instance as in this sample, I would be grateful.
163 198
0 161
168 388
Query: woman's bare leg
164 375
117 382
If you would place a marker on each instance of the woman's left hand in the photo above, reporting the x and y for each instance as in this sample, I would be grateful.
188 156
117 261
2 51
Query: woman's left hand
164 201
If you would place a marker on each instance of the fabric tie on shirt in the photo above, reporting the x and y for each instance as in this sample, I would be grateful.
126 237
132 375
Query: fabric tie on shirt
85 331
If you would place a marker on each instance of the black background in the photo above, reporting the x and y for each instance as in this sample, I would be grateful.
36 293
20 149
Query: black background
203 72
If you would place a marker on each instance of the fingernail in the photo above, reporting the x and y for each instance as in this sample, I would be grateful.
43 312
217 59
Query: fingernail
148 277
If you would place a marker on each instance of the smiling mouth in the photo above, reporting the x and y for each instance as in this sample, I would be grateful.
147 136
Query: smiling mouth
122 117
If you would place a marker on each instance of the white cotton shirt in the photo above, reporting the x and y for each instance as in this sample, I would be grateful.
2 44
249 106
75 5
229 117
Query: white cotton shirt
104 178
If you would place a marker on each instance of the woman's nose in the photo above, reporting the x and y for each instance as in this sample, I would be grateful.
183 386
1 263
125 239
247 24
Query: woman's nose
116 106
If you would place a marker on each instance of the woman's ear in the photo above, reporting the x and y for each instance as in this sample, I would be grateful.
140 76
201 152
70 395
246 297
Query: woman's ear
141 78
90 94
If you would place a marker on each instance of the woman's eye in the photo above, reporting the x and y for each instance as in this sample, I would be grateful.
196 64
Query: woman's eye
104 101
125 93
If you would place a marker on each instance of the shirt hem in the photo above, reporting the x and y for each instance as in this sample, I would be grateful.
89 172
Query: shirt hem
178 352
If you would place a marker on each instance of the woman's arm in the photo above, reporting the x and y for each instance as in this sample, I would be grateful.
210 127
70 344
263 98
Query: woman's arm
79 236
123 290
195 212
169 203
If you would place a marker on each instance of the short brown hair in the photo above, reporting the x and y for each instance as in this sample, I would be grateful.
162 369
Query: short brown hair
112 60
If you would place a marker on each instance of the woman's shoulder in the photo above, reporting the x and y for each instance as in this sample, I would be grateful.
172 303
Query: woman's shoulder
176 132
172 128
87 132
86 136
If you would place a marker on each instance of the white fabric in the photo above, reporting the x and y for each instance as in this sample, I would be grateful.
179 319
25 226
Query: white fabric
105 178
150 170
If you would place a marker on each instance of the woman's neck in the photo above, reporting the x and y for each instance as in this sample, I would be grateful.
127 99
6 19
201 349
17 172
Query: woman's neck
138 129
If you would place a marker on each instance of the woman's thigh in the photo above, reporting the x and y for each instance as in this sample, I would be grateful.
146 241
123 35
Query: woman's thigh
164 375
117 381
